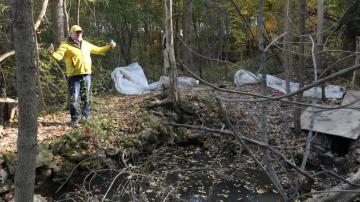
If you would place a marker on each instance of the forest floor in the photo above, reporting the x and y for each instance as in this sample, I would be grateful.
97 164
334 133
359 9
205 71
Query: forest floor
55 125
129 144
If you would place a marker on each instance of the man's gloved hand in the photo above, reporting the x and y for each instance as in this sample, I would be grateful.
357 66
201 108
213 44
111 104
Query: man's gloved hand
112 44
51 49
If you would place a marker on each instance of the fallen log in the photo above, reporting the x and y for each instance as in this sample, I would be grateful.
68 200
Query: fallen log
340 192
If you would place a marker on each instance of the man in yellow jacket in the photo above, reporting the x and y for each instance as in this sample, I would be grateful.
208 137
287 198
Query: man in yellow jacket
75 52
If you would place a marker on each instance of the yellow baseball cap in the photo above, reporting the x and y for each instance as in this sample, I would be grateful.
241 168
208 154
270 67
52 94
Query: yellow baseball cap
76 28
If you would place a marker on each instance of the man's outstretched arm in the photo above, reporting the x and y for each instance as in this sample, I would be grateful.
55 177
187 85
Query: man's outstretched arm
102 50
59 53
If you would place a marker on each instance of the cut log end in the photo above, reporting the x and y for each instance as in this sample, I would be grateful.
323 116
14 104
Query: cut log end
8 109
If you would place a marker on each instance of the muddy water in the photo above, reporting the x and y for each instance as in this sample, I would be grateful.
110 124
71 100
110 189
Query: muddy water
191 174
224 180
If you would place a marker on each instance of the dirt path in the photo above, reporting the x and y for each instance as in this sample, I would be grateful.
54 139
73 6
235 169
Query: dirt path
123 109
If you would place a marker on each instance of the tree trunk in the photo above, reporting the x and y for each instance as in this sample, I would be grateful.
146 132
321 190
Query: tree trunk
301 69
287 46
356 74
78 12
41 98
169 54
25 48
177 42
57 20
264 109
320 39
66 19
188 34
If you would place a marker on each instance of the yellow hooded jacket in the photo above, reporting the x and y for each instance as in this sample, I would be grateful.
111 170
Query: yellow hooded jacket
77 59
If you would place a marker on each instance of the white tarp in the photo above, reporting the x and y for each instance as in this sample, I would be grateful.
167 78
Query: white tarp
131 80
183 82
245 77
331 91
242 77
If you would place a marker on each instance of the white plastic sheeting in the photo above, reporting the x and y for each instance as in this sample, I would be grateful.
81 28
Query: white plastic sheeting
331 91
131 80
242 77
245 77
183 82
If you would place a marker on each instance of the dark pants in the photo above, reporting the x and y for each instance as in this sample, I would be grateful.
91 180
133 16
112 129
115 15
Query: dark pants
79 85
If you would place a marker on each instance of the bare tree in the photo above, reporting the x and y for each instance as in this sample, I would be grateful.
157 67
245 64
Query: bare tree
287 46
356 74
169 54
188 33
264 109
66 19
26 54
301 69
320 38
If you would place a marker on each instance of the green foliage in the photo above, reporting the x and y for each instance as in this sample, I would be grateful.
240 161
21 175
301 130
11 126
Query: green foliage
102 127
137 26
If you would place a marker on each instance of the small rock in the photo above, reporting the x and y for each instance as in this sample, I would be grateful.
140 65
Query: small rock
339 161
4 187
328 158
3 174
45 171
111 152
329 154
1 159
10 161
44 156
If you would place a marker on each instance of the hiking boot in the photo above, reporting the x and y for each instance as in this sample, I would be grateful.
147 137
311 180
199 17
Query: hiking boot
73 124
84 120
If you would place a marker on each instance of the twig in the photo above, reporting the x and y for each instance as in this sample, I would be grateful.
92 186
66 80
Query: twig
313 114
112 183
338 176
271 148
278 186
72 171
325 192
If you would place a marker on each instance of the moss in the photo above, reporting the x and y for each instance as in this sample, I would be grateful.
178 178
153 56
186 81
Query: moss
57 145
74 137
126 142
91 165
150 120
44 156
66 168
102 128
10 158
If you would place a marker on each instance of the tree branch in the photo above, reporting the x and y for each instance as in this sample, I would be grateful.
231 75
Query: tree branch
36 26
266 146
